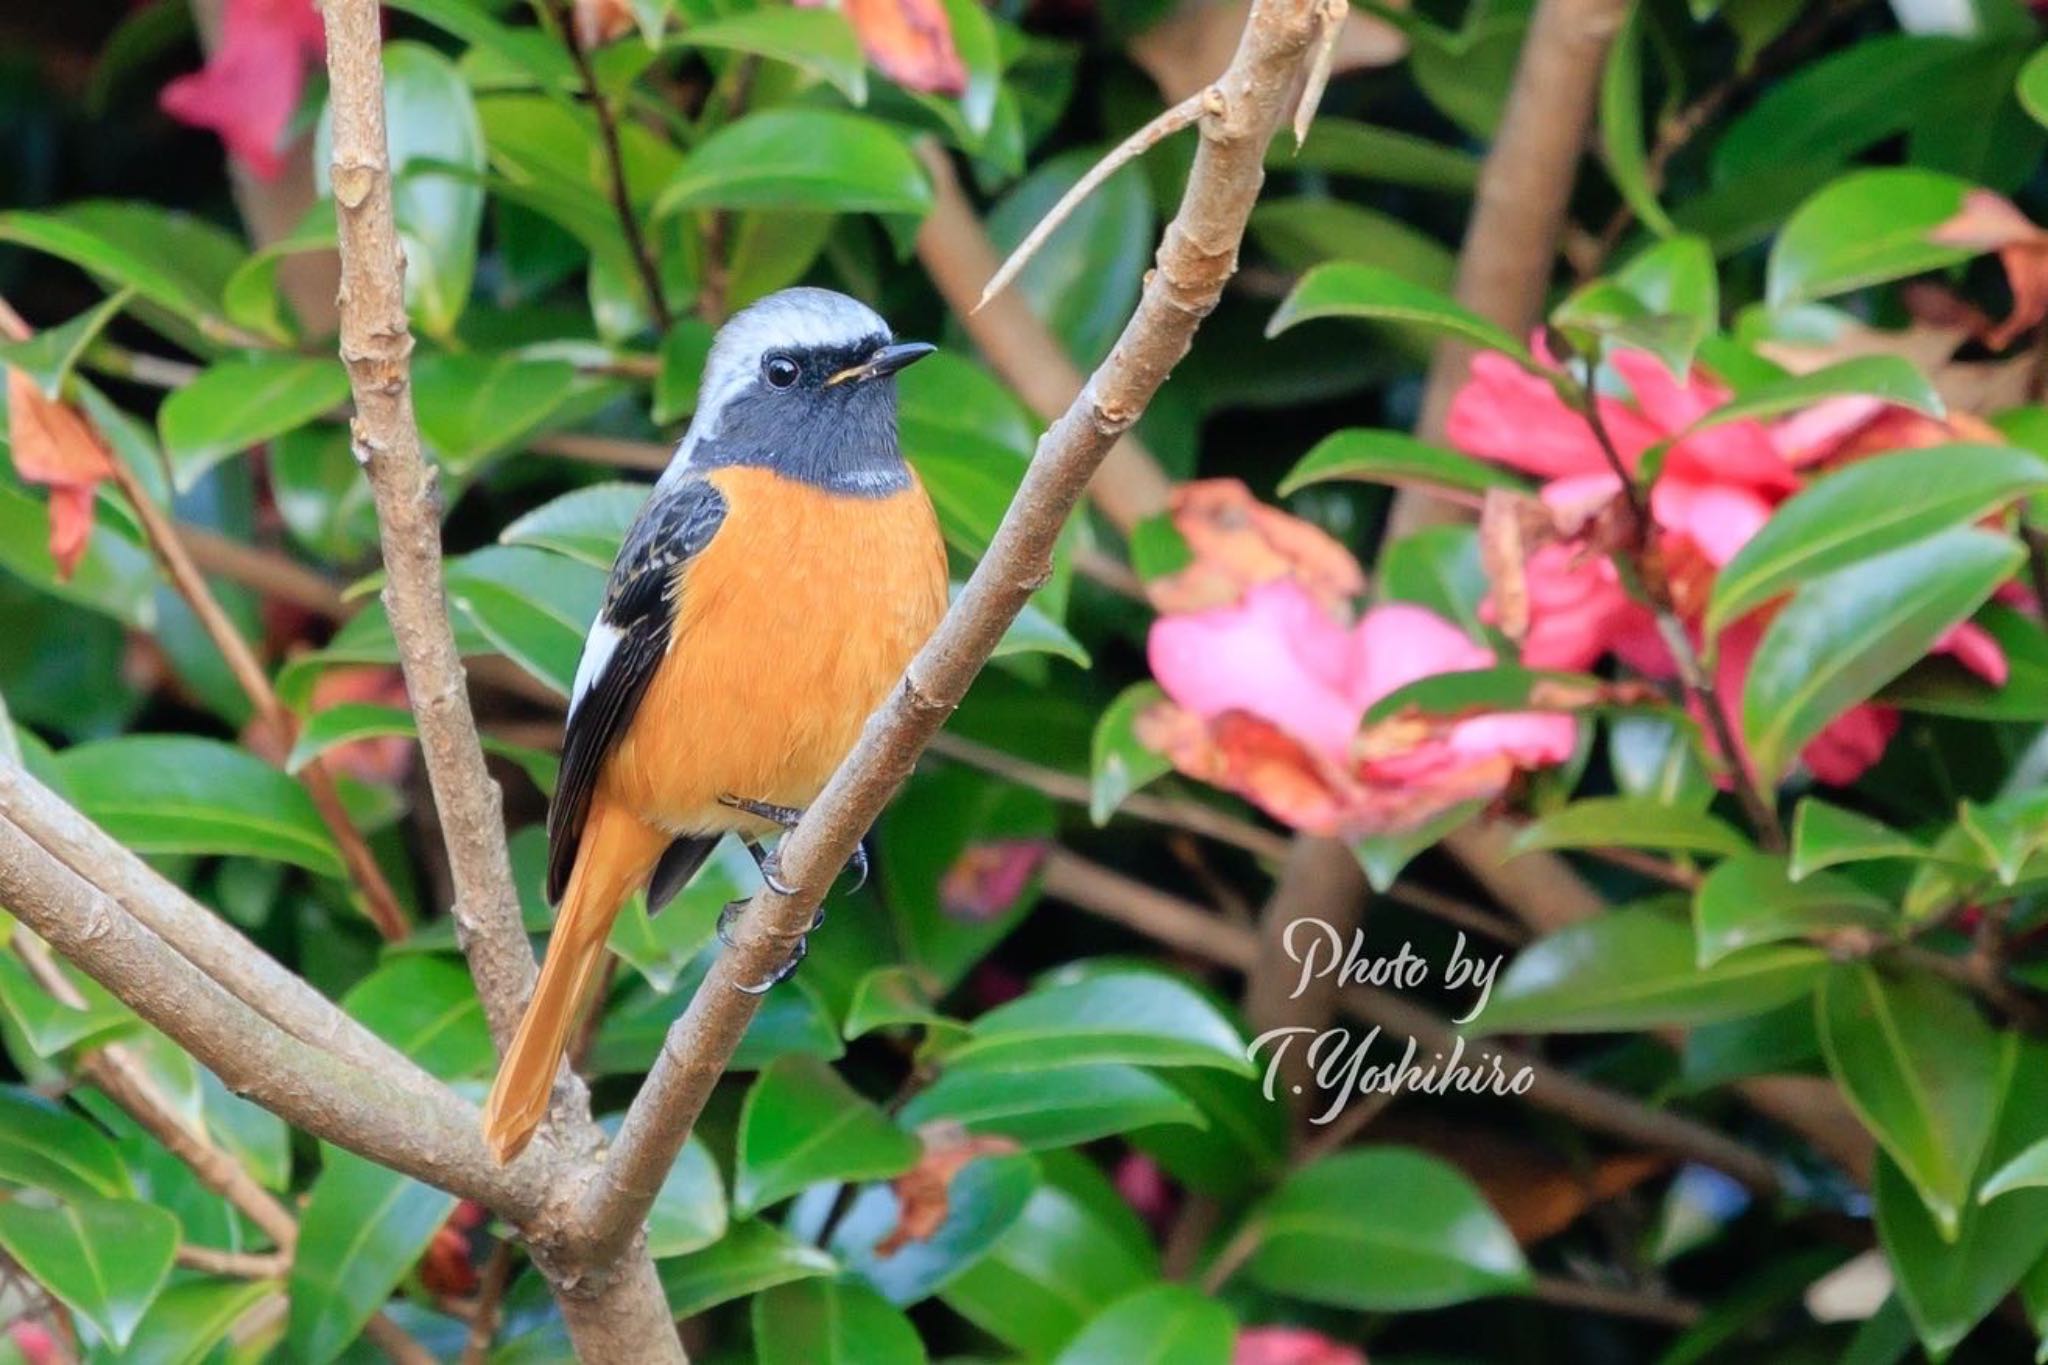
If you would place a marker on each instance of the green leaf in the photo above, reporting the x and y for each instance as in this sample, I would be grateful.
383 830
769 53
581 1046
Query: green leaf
1502 687
1891 378
2027 1171
2033 86
1752 899
803 1124
1392 457
1344 147
892 997
105 1258
427 1008
351 721
1167 1324
586 525
1119 762
1951 1281
1675 279
250 1133
689 1211
239 402
1309 230
1242 1147
192 1318
47 1147
473 406
2009 831
1632 822
532 606
50 355
1086 276
1033 632
637 1024
47 1025
1865 228
1350 290
1439 568
795 158
183 794
1054 1269
1825 835
1873 506
1925 1073
1059 1108
985 1198
363 1229
831 1322
1848 633
1140 1018
1431 1241
1621 126
1637 967
1943 687
432 124
684 353
173 260
817 41
751 1258
115 577
252 297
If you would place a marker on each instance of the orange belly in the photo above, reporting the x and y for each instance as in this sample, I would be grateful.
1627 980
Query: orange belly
791 627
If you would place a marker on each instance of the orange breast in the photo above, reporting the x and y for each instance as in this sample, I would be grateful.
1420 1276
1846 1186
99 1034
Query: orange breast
791 628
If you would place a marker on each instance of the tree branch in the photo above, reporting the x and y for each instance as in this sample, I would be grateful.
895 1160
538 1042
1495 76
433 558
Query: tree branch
376 347
424 1131
1195 260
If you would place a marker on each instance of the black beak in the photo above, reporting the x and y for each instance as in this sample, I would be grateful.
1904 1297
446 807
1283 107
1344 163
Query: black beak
885 362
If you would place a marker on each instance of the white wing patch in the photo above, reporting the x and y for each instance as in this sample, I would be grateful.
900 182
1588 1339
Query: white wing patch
598 647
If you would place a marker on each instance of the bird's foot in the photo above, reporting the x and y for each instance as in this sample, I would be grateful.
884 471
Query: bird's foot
769 861
785 816
782 973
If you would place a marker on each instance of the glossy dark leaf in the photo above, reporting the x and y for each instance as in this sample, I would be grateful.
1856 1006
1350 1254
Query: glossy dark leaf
1348 290
1393 457
1167 1324
1925 1073
1633 822
105 1258
809 159
1119 762
831 1322
46 1147
1637 967
803 1124
1752 899
984 1199
240 402
363 1229
427 1008
1137 1017
1431 1241
1056 1108
1047 1276
1868 227
751 1258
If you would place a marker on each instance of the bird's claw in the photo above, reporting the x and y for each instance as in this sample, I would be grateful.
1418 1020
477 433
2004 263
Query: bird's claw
729 916
770 864
858 866
782 973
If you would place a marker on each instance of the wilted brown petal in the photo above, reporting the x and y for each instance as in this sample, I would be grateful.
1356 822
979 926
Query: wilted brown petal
1238 542
922 1192
56 447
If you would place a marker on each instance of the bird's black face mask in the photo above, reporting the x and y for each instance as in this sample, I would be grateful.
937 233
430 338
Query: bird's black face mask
822 415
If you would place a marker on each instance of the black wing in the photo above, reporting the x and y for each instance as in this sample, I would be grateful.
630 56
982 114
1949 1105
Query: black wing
633 627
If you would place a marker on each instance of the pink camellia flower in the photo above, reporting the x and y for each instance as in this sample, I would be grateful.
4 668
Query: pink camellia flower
1717 489
251 84
1292 1346
1267 691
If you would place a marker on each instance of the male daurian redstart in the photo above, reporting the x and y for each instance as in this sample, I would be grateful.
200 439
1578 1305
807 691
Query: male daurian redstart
781 575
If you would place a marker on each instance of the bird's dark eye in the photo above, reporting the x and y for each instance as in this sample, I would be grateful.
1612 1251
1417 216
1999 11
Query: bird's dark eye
782 372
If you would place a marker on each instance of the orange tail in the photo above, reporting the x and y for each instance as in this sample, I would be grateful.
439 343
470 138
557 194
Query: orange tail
617 854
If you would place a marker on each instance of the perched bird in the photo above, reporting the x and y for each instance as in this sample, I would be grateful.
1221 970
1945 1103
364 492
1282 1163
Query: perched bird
783 572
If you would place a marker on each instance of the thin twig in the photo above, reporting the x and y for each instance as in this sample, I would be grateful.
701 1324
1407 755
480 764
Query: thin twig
490 1300
611 1303
242 1265
1194 262
1165 125
1642 1305
380 902
1334 14
957 254
1692 675
564 21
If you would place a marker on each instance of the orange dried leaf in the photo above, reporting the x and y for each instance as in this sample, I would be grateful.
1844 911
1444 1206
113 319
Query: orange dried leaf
602 21
923 1192
56 447
1991 222
1239 543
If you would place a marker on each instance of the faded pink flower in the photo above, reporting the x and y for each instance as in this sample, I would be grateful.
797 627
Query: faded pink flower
250 86
1717 489
1268 693
1146 1189
987 878
1292 1346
